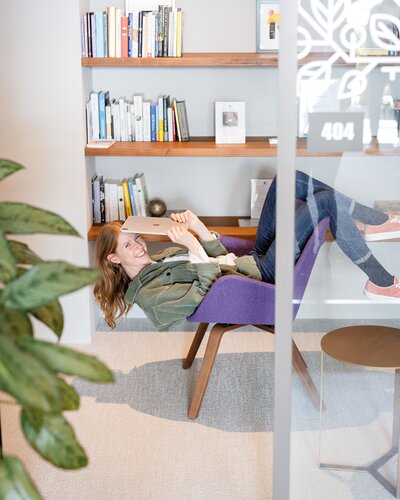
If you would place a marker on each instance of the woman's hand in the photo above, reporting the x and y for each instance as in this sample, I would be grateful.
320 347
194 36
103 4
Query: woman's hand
194 223
182 236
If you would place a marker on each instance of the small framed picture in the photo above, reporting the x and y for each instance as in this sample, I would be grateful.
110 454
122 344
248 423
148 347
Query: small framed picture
230 123
267 25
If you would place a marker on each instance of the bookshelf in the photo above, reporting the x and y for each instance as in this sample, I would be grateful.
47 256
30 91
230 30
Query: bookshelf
206 147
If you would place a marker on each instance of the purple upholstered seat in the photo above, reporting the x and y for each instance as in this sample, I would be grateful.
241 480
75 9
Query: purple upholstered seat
240 300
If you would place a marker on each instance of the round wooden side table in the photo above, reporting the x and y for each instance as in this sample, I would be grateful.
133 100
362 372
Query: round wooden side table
370 347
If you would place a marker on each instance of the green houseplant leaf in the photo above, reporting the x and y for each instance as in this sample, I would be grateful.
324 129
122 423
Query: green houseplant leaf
53 438
24 377
8 268
14 323
44 282
65 360
69 396
15 483
20 218
23 254
8 167
51 315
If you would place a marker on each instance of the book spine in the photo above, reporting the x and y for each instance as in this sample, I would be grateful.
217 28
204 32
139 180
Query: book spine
108 122
170 33
165 46
178 128
121 205
105 33
157 127
122 118
130 21
165 117
89 127
99 34
140 33
179 33
174 16
138 102
111 14
113 201
116 123
96 199
173 122
153 123
107 200
124 36
118 16
146 121
141 196
102 201
128 208
160 119
89 33
132 115
154 48
160 31
94 101
83 36
94 37
183 121
170 125
135 33
131 195
102 115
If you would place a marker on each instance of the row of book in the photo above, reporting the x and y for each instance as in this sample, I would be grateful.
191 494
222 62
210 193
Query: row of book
129 32
136 120
114 199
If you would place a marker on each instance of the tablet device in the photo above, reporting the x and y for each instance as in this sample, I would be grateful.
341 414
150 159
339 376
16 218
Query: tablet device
149 225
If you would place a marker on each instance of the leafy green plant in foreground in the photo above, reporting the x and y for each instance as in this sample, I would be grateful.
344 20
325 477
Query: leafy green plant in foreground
31 371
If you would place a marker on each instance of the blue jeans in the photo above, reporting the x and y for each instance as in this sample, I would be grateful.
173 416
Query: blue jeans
320 200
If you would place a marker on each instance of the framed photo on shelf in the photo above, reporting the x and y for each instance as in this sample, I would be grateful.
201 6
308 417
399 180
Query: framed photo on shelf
267 25
230 123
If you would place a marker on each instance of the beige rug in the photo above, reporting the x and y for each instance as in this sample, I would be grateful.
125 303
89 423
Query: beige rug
141 445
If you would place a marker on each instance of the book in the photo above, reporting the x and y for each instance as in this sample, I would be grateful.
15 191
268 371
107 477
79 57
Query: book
170 125
127 200
111 15
142 193
93 34
107 200
116 122
132 197
123 119
258 192
102 115
160 119
105 33
121 204
138 103
94 111
183 121
118 16
165 116
102 201
100 143
99 34
177 123
179 33
146 121
153 122
84 36
113 200
124 36
96 212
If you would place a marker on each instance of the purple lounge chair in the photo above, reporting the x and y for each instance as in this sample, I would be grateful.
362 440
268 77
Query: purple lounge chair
235 301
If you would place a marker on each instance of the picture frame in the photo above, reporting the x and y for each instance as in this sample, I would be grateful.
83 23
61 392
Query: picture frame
268 12
230 123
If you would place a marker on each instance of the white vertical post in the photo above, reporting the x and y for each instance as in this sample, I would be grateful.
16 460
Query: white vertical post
285 246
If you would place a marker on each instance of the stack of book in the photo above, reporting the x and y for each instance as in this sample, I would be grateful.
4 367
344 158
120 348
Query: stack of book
136 119
129 32
114 199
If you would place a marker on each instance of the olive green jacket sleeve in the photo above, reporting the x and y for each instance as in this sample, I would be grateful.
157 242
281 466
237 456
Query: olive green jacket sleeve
214 247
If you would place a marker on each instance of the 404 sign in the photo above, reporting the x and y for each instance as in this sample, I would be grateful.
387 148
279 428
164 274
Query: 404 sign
335 132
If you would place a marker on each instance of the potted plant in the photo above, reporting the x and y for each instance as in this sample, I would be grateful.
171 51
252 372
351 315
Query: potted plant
32 371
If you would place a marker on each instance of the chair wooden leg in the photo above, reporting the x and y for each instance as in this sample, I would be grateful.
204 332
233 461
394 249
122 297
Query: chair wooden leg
201 330
301 368
214 340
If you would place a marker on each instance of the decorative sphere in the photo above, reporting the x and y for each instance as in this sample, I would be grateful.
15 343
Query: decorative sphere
156 207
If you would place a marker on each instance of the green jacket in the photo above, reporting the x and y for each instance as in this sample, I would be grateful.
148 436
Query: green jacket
168 292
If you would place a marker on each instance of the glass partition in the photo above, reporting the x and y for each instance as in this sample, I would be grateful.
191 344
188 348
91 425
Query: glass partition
347 242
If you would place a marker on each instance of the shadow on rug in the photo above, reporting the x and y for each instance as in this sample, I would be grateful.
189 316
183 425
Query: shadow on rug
240 394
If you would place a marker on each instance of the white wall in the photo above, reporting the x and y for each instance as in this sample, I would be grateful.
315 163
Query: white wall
41 126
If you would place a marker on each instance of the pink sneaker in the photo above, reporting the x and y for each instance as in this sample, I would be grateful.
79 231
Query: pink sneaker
389 293
386 231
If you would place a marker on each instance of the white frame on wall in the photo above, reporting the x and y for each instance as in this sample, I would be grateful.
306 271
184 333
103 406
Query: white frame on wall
263 44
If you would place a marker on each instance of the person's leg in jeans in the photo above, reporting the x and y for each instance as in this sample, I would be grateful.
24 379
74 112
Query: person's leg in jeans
327 202
306 187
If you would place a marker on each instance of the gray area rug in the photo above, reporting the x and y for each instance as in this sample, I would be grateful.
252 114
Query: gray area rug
240 393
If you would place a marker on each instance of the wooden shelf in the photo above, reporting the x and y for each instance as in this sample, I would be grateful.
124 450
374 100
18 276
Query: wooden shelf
206 147
204 59
226 226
